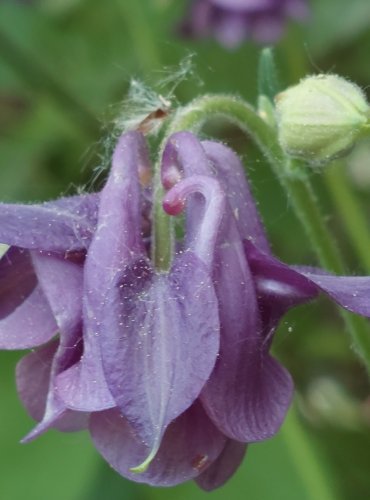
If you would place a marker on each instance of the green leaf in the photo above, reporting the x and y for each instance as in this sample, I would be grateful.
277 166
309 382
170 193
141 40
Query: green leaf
268 80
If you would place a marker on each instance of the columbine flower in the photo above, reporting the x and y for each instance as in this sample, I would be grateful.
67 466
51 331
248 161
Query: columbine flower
171 370
232 21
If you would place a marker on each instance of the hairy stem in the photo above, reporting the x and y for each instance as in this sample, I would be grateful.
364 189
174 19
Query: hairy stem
299 190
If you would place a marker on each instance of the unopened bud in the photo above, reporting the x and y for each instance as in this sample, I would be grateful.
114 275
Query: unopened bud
320 118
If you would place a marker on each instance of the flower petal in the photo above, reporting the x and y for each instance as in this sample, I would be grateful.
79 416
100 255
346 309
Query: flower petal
117 240
248 393
64 225
223 467
291 285
34 380
26 319
190 443
159 343
62 283
279 286
242 333
231 173
351 292
32 375
185 155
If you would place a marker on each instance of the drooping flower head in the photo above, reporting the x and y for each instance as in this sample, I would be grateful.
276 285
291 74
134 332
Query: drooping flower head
232 21
169 370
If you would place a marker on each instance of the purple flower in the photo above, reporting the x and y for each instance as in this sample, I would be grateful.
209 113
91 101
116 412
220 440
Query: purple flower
170 371
232 21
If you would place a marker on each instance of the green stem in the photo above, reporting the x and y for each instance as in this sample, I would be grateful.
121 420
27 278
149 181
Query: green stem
353 217
304 457
39 77
162 239
299 190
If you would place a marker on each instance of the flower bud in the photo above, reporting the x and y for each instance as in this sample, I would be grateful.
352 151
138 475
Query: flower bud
321 117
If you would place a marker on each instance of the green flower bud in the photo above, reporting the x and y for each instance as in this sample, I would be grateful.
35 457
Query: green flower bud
320 118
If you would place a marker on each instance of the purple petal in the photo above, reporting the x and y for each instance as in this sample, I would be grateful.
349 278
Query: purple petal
248 393
62 283
34 383
17 280
279 287
83 386
231 173
242 334
64 225
190 443
159 343
351 292
267 27
230 28
223 467
297 9
116 241
292 285
203 231
185 155
242 5
32 375
26 319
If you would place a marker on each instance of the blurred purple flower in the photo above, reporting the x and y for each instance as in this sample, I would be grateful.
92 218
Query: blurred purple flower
170 371
232 21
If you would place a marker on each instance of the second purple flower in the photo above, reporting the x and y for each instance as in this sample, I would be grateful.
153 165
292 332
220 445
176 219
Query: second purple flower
232 21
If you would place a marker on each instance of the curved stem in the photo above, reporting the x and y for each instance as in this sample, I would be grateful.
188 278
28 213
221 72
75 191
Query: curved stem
298 189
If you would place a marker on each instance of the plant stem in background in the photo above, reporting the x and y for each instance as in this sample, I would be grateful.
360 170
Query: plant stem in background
305 459
354 220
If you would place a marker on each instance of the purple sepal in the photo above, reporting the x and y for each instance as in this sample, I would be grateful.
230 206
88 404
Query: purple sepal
69 224
26 319
223 467
159 342
189 445
288 286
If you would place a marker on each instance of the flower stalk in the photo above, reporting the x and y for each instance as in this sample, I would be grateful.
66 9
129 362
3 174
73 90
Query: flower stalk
297 187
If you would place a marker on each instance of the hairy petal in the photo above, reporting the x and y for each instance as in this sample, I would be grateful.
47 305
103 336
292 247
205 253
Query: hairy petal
289 286
190 443
231 173
159 343
64 225
26 319
116 242
186 156
248 393
242 333
62 283
34 376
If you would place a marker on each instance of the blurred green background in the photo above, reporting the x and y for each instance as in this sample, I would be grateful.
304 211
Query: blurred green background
65 68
